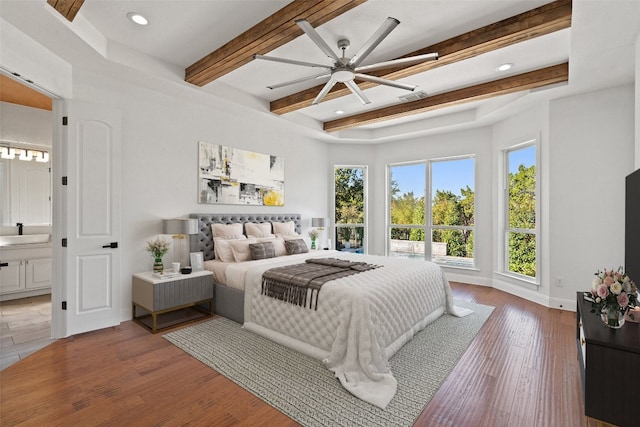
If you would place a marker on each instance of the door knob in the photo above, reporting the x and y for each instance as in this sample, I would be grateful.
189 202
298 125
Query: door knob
112 245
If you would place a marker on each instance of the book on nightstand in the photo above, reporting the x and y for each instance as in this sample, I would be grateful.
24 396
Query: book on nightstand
168 274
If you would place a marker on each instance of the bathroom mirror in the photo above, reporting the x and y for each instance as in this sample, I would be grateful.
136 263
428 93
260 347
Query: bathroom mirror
26 122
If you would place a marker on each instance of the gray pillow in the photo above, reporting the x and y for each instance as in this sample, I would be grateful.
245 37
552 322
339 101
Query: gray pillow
262 250
297 246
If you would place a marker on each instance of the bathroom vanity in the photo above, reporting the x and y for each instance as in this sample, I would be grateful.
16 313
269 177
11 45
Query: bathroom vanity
25 268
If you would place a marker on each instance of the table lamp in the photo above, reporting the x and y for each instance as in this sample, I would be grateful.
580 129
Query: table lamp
180 228
320 224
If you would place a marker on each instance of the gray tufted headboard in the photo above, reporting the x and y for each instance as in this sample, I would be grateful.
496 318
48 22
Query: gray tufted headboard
203 241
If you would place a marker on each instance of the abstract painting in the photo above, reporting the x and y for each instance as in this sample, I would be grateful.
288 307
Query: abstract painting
231 176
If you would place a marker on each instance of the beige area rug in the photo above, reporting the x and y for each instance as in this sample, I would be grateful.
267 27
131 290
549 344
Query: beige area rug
306 391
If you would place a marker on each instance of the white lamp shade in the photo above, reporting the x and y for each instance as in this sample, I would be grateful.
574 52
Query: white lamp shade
180 226
319 222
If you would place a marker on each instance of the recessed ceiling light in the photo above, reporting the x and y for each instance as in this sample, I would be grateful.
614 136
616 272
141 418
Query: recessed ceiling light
505 67
339 112
137 18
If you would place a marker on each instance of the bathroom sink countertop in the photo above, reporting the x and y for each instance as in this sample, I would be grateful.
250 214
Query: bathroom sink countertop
25 240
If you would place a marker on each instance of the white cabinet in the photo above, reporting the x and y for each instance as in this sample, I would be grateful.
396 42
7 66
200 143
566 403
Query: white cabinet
25 272
25 275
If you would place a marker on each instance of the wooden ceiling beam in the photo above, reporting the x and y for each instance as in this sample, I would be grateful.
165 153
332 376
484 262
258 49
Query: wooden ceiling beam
533 79
546 19
273 32
67 8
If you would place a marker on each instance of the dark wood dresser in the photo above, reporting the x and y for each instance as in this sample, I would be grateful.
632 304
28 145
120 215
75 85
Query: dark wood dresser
609 362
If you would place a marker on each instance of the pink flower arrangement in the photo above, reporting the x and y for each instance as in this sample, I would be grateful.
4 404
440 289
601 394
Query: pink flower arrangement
613 290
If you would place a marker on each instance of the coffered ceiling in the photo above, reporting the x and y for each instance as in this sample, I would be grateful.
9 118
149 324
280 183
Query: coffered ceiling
209 45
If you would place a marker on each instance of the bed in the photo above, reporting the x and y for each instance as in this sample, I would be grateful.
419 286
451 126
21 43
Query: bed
360 321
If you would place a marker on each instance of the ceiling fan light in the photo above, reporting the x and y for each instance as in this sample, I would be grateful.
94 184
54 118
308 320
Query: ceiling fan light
342 75
137 18
504 67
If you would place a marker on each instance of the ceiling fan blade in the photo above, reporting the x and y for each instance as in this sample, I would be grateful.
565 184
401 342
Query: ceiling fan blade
303 79
315 37
290 61
330 84
382 32
353 87
397 62
386 82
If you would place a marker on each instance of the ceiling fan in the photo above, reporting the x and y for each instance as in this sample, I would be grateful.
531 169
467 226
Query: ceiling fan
346 70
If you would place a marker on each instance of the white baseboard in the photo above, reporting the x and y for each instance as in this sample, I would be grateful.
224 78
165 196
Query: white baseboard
514 289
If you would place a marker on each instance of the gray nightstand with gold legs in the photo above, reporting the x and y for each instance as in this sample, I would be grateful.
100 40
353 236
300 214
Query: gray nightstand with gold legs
158 297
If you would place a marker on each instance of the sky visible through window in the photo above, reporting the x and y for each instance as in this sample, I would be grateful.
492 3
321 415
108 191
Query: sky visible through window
452 175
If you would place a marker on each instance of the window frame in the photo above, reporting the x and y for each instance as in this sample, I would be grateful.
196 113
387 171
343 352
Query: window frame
432 227
389 224
505 229
365 190
428 225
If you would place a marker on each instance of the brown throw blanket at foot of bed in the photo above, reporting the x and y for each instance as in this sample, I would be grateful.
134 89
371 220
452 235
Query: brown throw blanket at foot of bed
292 282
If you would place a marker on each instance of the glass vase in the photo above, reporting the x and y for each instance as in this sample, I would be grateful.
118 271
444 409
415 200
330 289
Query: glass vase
158 266
611 317
313 243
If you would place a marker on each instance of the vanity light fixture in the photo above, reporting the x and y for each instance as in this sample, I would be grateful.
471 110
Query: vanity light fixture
504 67
7 153
24 154
137 18
42 156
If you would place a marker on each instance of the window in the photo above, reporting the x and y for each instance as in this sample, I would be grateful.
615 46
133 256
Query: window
441 230
520 234
407 210
350 208
452 211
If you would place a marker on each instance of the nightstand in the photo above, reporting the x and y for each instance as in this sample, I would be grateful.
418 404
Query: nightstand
156 297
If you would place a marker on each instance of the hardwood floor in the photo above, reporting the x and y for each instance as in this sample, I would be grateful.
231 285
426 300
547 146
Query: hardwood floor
521 370
25 327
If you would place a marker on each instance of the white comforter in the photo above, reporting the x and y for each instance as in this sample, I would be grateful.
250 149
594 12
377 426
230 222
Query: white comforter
361 320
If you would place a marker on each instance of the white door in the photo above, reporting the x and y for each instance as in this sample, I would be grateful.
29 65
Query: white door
91 198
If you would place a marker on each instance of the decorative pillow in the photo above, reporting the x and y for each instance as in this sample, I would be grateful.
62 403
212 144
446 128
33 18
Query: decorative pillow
262 250
258 230
297 246
278 245
240 249
226 230
288 227
222 249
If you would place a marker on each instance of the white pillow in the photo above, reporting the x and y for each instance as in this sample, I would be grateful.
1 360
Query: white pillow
241 250
226 230
261 236
288 227
222 248
257 230
294 236
278 244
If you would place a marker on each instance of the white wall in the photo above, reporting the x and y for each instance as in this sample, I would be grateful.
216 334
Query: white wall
160 137
530 124
592 146
25 125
